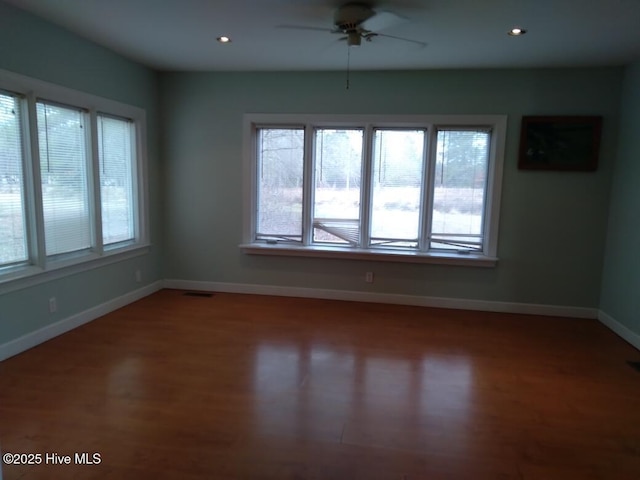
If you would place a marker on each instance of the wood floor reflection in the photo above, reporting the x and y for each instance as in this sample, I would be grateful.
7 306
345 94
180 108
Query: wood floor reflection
255 387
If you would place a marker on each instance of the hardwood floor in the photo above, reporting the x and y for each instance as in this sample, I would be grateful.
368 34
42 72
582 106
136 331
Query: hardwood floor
252 387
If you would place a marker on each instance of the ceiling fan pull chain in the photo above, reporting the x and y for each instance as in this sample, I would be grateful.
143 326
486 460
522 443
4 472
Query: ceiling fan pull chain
348 65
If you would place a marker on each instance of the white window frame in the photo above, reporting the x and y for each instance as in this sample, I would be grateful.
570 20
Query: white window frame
486 258
39 267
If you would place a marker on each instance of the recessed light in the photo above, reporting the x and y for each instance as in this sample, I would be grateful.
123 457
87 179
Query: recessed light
224 39
516 31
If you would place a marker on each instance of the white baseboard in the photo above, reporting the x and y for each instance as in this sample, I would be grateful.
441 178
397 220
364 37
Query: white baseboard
48 332
618 328
398 299
43 334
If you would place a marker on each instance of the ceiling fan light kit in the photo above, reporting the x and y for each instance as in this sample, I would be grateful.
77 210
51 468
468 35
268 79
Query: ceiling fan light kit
354 39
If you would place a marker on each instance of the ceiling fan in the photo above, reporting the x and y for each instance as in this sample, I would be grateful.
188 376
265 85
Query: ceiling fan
358 21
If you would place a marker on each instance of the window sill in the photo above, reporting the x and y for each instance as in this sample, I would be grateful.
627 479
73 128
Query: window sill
383 255
20 277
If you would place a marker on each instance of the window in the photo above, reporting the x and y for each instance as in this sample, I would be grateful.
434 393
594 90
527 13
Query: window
408 188
71 178
459 187
117 193
63 173
336 186
280 161
13 247
396 187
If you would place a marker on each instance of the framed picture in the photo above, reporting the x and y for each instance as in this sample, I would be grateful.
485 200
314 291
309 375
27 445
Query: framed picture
560 143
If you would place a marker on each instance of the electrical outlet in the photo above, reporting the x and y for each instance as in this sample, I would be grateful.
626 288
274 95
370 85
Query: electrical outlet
53 305
368 277
138 275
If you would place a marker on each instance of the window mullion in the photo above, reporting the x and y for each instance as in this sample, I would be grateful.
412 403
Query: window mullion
428 188
486 217
33 190
307 184
93 178
365 183
493 186
251 186
137 184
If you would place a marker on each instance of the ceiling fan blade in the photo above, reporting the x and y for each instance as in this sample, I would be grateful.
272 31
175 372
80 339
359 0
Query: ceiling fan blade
416 42
304 27
383 20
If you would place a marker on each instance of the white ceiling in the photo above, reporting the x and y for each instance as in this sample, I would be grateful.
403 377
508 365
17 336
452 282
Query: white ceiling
180 34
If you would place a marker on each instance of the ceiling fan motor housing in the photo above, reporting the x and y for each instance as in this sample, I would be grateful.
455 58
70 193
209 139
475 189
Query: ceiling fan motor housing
350 16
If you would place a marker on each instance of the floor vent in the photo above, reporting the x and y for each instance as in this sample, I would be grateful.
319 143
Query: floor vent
198 294
635 365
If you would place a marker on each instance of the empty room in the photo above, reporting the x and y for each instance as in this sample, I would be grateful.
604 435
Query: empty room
319 239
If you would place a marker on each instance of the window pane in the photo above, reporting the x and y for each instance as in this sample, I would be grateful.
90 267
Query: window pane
280 166
460 189
12 216
64 178
115 151
338 166
396 187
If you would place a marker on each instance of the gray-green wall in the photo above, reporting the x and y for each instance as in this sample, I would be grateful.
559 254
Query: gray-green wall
32 47
552 226
621 279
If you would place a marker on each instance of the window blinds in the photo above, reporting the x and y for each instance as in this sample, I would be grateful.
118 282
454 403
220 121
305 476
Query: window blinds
460 184
12 213
115 152
63 169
